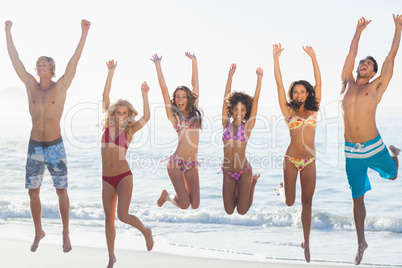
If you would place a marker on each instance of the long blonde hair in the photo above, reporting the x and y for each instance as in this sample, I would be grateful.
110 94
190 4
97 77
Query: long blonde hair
110 112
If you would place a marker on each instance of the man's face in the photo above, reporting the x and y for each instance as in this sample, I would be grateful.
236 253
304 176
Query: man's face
366 69
43 68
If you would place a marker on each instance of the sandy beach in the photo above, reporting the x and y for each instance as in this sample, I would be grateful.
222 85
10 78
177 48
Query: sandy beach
16 253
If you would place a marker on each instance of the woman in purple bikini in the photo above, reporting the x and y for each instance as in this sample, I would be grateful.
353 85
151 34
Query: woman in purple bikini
182 111
119 127
238 179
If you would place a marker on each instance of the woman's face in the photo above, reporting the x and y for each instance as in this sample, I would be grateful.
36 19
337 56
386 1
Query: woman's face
121 115
300 93
239 112
181 100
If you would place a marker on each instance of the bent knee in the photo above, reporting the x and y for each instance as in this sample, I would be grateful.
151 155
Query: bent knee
242 211
123 217
229 211
289 203
184 205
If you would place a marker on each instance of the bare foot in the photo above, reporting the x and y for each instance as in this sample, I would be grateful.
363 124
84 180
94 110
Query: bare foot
306 252
66 244
163 198
394 150
36 241
360 251
149 239
277 188
111 263
254 178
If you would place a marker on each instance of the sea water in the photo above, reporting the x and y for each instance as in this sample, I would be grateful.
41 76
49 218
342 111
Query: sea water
270 231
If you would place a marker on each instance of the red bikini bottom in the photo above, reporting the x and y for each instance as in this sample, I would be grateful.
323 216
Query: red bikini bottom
114 180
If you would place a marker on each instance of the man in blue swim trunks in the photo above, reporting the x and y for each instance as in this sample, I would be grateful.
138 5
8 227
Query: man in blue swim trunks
363 144
46 102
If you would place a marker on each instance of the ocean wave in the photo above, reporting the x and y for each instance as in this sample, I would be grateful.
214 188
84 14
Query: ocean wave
86 212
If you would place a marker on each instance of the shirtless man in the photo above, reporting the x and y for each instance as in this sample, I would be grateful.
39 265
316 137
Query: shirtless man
46 102
363 144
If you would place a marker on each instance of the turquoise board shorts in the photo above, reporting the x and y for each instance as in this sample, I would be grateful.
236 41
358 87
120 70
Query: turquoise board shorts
361 156
53 155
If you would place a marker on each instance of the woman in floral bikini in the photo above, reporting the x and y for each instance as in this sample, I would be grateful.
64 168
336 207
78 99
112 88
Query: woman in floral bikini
301 118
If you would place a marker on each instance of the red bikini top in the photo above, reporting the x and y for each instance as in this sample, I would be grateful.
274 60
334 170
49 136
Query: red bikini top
120 140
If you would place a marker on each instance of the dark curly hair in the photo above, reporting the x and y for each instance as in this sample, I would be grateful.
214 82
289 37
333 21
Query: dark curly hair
310 104
232 99
194 114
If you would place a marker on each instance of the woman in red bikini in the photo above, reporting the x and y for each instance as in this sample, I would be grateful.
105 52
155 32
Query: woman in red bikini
238 181
182 111
119 127
301 118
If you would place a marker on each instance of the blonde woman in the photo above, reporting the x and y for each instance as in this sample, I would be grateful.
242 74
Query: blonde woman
119 127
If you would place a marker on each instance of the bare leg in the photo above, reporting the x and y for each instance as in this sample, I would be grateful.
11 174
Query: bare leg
394 154
307 181
254 179
192 183
36 212
229 193
64 208
124 192
244 187
359 213
109 199
182 198
288 191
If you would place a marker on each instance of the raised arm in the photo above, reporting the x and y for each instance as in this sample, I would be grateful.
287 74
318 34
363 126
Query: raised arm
146 111
254 106
387 69
194 76
162 84
277 50
111 66
15 59
317 74
347 70
71 68
228 88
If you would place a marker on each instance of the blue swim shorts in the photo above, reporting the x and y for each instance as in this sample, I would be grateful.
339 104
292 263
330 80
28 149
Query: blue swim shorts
53 155
361 156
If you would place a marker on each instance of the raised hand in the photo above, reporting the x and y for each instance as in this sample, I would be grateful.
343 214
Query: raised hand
8 25
111 65
259 71
232 69
277 50
144 88
191 56
85 25
398 21
362 24
309 51
155 58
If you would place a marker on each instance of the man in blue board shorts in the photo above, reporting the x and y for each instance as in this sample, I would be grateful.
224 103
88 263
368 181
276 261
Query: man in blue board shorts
46 100
364 147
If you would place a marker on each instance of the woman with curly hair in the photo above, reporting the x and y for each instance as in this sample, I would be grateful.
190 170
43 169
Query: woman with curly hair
119 127
182 111
301 118
238 181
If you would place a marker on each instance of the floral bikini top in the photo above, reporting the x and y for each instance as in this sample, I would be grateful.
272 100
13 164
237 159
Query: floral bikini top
185 124
239 135
297 121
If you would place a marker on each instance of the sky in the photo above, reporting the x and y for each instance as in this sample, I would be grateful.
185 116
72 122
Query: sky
219 32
